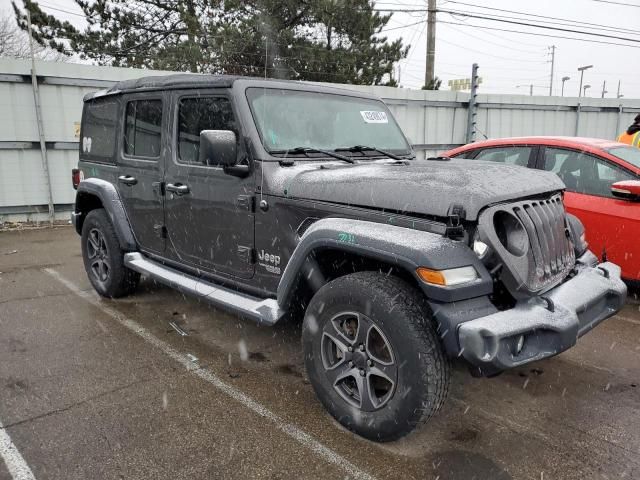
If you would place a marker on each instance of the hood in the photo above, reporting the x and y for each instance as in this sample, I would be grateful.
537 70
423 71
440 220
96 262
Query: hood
424 186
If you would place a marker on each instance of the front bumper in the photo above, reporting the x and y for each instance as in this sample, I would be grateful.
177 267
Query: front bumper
546 325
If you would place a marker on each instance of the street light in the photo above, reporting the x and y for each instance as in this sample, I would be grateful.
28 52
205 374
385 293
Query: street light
581 70
564 79
584 90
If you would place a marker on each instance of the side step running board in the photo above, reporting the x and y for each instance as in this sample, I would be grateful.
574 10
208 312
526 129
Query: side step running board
264 311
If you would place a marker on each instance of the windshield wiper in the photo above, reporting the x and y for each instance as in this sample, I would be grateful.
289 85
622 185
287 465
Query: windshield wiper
307 150
364 148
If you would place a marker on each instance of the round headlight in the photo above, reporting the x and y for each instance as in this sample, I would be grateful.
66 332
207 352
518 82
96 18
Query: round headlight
511 233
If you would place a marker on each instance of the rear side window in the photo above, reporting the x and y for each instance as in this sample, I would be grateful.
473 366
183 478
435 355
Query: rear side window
509 155
143 127
196 115
99 120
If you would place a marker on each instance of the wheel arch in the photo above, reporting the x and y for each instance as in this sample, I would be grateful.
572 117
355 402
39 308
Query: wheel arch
95 193
333 247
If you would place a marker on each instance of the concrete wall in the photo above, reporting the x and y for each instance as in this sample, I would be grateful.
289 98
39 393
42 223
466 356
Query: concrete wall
434 121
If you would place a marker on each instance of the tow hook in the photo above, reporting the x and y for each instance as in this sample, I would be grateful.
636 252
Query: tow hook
604 271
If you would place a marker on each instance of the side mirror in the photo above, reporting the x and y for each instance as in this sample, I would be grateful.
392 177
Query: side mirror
218 148
627 190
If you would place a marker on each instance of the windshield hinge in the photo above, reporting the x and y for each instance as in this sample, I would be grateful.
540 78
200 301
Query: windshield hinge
455 229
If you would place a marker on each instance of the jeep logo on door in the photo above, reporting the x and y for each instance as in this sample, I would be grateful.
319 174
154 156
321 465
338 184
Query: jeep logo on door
269 261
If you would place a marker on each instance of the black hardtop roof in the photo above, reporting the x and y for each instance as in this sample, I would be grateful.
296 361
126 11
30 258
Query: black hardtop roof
195 80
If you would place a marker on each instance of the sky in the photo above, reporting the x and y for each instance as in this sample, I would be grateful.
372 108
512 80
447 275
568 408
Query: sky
508 62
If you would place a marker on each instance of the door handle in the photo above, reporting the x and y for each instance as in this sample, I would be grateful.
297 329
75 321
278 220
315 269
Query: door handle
177 188
127 179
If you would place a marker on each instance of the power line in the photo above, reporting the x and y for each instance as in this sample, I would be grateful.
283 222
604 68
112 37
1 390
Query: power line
547 35
517 21
62 10
618 3
490 54
403 26
514 22
567 21
495 43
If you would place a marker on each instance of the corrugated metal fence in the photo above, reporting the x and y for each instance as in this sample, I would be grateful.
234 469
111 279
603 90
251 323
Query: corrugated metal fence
434 121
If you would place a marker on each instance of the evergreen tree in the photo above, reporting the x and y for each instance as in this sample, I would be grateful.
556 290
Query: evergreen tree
319 40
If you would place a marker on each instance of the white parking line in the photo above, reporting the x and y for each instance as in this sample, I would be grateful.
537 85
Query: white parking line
291 430
627 319
18 468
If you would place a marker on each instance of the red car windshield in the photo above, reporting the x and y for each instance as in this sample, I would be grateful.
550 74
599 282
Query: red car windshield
628 154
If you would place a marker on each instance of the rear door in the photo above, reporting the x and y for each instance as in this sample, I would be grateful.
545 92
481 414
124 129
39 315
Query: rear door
141 166
210 222
612 225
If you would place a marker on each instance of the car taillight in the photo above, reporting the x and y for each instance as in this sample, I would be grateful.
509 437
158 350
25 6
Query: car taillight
75 177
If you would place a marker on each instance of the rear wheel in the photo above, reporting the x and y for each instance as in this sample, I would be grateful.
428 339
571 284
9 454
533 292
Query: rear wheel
104 259
372 355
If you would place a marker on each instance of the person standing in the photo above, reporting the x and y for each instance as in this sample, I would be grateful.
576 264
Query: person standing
632 135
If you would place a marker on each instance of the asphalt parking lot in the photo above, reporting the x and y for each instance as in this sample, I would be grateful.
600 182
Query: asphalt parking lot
93 389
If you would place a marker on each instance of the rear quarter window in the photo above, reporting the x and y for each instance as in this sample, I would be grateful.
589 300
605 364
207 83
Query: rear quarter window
98 132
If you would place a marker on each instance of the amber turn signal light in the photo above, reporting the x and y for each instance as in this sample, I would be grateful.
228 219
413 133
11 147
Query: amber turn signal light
434 277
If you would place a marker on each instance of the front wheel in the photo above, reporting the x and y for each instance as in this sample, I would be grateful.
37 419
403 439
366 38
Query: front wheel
372 355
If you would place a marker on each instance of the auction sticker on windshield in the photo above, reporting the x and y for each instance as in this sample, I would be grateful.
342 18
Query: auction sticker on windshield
370 116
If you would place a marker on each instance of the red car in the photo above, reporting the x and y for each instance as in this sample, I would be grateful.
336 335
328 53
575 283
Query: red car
603 186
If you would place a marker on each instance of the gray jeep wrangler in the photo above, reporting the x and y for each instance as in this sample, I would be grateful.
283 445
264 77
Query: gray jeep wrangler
277 199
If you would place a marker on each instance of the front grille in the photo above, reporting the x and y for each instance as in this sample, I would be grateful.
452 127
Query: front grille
531 242
550 246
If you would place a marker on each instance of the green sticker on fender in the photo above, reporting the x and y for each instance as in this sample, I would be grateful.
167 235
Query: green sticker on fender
345 237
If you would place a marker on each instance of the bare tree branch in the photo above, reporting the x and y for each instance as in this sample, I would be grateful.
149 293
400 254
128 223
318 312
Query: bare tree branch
14 43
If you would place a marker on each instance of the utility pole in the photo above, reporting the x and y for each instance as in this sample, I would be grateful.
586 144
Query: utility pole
431 43
530 85
473 108
618 94
43 145
604 86
553 63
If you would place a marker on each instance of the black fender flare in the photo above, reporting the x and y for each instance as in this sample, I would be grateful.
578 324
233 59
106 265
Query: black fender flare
108 195
407 248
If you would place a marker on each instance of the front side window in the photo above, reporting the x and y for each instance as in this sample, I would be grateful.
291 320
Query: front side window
287 119
508 155
196 115
584 173
143 127
628 154
99 120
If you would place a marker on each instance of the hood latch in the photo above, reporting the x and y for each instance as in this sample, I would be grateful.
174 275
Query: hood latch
455 229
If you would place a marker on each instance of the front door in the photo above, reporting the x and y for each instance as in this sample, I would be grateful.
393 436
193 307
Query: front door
612 225
209 214
140 167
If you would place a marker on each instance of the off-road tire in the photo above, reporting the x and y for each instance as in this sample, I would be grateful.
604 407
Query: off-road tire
120 280
401 313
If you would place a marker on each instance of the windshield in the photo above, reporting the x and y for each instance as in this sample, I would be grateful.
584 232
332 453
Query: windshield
628 154
287 119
